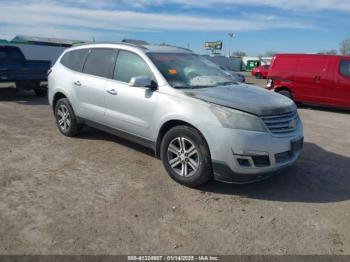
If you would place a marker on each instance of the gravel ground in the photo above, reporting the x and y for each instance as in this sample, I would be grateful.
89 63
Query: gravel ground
98 194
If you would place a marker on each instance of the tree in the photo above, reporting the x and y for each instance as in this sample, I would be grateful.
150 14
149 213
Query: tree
267 54
345 47
270 53
329 52
238 53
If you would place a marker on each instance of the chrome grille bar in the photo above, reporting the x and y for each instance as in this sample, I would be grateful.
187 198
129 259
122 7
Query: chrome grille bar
281 124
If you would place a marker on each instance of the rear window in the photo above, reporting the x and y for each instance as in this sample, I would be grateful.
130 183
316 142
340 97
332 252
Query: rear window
100 62
11 54
75 59
345 68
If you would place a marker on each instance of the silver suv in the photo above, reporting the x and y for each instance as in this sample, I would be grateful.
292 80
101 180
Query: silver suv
198 121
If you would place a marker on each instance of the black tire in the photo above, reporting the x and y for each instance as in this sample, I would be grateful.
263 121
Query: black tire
40 92
204 172
23 86
285 93
258 76
74 127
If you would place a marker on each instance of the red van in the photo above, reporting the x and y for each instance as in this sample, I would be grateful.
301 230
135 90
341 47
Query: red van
313 79
261 71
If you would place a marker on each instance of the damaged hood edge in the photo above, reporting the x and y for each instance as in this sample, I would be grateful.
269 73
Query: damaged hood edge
249 99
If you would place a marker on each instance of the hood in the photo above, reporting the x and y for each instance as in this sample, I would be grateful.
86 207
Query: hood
250 99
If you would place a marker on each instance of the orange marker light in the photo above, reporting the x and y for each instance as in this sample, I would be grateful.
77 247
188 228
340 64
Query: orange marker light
172 71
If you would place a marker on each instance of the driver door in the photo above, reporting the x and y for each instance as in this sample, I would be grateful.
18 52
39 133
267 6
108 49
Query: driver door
130 109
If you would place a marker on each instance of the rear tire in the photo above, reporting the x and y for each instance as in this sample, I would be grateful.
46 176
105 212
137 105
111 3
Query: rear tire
186 157
258 76
40 92
285 93
23 85
66 120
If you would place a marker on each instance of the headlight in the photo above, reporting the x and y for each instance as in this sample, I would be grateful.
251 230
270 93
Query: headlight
235 119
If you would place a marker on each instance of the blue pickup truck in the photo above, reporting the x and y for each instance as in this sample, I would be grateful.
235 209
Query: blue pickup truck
26 74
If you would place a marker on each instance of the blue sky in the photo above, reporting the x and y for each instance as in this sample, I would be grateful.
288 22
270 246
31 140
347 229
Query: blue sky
259 26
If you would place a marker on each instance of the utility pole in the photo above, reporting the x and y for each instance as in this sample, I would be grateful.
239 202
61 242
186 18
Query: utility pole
231 35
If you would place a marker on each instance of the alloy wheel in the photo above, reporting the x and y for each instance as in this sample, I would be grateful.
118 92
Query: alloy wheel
63 118
183 156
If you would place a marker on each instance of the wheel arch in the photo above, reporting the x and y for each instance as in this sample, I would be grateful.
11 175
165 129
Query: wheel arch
57 96
281 88
166 126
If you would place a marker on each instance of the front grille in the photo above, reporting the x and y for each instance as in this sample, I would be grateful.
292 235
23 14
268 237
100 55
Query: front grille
282 124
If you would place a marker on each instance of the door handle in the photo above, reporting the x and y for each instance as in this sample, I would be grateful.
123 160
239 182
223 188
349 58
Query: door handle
112 92
77 83
317 78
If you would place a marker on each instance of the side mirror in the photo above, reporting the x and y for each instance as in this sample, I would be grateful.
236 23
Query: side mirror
143 81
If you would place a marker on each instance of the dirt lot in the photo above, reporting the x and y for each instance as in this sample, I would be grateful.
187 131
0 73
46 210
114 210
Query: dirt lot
98 194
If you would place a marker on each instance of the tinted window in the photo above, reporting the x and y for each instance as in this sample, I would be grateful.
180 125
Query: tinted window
75 59
11 54
100 62
130 65
345 68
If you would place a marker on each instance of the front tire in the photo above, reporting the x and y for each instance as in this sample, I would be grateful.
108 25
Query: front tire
186 157
258 76
66 120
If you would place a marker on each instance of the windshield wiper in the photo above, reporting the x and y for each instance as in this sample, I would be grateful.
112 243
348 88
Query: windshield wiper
181 87
225 83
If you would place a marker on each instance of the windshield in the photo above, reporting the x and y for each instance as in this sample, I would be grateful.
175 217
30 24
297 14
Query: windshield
189 70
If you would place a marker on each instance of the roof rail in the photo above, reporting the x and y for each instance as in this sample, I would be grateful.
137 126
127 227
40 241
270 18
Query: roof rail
179 47
135 41
119 43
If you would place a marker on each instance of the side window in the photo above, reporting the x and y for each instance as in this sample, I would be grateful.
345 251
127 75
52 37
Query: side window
75 59
345 68
130 65
100 62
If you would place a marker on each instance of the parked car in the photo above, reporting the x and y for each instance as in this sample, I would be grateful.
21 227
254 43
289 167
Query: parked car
199 122
261 71
236 76
314 79
27 74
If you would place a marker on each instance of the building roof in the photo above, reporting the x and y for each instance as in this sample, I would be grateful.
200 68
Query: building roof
46 40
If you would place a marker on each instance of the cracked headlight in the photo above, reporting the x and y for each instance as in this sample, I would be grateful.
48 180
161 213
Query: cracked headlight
234 119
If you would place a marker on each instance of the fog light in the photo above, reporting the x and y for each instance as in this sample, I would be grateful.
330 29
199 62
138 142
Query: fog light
243 162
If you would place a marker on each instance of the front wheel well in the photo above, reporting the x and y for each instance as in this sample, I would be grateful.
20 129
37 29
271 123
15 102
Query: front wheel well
283 88
57 97
165 128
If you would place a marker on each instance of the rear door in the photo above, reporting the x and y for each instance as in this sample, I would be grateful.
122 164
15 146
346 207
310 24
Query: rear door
312 78
90 85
